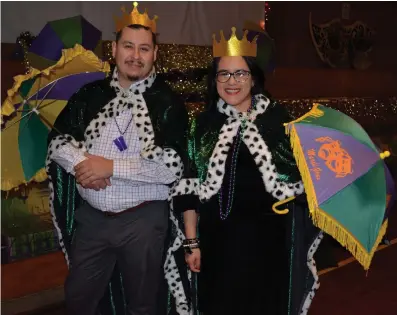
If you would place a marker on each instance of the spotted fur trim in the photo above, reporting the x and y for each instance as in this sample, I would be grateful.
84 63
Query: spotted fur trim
311 264
258 149
56 142
125 99
213 181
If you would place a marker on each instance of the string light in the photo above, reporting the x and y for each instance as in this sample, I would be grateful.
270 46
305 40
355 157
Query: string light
267 11
176 61
25 40
363 110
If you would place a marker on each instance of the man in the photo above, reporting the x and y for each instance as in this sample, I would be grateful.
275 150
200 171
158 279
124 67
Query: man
114 152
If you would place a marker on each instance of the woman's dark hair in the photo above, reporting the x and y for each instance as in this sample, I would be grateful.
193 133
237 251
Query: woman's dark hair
256 73
137 27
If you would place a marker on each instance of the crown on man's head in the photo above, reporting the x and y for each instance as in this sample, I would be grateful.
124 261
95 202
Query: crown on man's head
135 18
234 46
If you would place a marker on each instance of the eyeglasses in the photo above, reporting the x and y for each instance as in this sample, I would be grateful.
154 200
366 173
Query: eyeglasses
240 76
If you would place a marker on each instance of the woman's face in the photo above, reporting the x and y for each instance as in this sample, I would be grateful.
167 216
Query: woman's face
234 81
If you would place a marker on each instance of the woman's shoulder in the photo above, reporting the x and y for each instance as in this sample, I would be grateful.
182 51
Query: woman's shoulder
277 112
209 117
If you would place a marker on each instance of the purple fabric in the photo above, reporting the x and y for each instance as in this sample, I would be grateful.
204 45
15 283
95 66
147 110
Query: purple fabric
333 165
65 87
91 35
47 44
390 190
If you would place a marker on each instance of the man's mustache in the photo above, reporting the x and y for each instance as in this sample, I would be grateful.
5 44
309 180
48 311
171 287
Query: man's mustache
134 62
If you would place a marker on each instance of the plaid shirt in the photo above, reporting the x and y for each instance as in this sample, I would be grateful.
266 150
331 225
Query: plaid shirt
134 179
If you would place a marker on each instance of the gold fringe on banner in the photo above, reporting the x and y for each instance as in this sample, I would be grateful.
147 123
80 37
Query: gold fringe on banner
320 218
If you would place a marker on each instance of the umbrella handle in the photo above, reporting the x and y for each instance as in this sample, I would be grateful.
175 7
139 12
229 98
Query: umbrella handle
281 202
384 155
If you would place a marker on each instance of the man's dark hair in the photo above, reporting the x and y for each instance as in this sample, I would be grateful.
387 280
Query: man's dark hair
137 27
256 74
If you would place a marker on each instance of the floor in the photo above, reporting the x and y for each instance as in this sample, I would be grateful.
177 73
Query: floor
29 286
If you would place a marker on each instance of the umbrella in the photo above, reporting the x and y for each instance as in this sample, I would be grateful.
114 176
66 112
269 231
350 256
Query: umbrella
35 102
266 47
56 35
345 179
391 192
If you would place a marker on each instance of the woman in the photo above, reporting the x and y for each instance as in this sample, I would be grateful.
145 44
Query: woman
248 259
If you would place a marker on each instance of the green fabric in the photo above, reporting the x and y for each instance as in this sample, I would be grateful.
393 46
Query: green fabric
69 31
201 147
354 211
40 62
26 86
205 130
336 120
32 141
168 116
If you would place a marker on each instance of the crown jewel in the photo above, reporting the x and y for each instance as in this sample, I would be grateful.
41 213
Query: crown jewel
135 18
234 46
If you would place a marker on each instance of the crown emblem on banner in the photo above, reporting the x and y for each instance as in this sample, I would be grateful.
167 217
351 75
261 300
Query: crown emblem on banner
234 46
135 18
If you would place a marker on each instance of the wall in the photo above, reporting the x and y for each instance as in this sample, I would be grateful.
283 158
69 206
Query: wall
300 72
289 25
180 22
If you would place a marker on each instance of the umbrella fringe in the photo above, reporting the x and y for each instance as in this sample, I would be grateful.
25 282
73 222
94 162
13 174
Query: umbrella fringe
68 55
303 168
339 233
320 218
315 112
9 184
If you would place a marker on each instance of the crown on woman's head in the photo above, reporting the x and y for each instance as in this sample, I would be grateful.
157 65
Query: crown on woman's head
234 46
135 18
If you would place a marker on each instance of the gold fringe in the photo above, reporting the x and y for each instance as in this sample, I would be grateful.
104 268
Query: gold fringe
315 112
281 202
326 223
303 169
321 219
67 55
9 184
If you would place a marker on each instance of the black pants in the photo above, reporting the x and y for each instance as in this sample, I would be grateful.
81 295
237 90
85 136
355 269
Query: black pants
135 240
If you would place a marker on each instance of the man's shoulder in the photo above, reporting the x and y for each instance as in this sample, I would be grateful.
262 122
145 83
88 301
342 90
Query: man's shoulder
94 87
161 94
160 85
277 113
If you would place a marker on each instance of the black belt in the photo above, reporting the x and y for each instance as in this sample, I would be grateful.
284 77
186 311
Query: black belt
114 214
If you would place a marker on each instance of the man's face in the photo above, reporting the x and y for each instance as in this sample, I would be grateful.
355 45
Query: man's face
134 53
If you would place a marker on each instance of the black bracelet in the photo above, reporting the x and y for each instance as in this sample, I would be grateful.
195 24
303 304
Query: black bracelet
190 241
188 248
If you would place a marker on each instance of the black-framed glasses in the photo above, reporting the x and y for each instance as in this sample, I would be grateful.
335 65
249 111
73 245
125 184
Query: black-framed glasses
240 76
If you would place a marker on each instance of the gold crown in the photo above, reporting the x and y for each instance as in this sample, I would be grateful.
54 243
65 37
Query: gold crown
234 46
135 18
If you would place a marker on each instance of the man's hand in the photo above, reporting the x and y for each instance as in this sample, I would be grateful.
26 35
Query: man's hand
92 169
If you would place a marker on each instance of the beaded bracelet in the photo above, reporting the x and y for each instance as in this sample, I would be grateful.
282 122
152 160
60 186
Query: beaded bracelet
190 240
189 244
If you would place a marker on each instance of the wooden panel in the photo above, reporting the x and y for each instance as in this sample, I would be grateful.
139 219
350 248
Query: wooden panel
312 82
32 275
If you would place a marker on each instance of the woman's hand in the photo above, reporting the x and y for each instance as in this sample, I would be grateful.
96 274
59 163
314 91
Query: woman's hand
193 260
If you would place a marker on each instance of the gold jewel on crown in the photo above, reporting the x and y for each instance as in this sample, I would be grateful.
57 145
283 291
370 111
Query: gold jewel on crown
234 46
135 18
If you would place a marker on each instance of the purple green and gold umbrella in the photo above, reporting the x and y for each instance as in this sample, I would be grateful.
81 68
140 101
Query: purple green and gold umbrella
345 179
266 47
35 102
46 49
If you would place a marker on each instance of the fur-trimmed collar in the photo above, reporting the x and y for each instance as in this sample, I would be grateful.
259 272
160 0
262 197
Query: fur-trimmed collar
131 98
260 107
136 88
257 147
